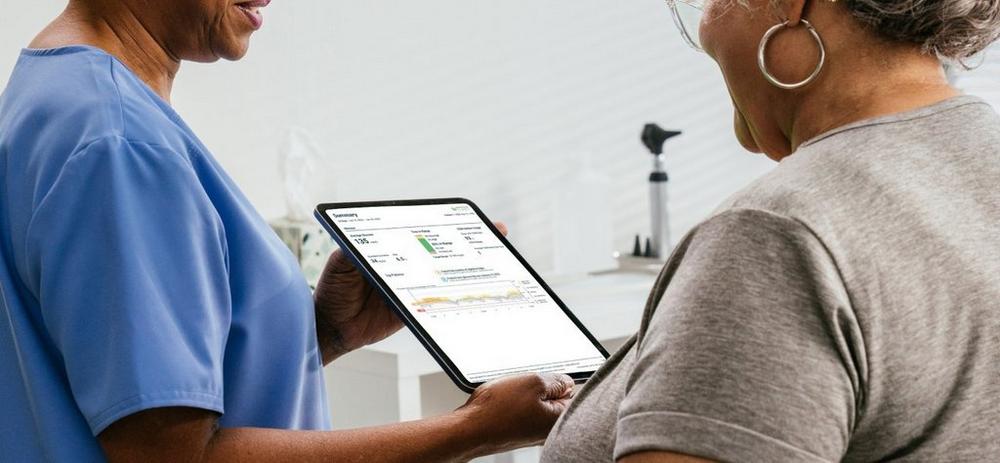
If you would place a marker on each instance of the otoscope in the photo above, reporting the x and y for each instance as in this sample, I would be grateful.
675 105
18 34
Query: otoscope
653 136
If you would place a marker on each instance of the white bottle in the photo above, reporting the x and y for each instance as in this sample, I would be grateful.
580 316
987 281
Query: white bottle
583 232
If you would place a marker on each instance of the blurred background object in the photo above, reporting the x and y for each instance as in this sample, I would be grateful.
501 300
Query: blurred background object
307 179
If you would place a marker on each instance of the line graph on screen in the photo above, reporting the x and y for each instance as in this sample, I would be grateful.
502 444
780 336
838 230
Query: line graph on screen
466 296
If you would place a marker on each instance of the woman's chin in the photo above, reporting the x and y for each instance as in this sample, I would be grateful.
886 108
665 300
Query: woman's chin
749 144
228 52
225 45
236 50
743 134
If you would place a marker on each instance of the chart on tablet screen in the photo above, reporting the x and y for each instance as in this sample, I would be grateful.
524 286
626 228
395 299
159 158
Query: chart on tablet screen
460 282
467 297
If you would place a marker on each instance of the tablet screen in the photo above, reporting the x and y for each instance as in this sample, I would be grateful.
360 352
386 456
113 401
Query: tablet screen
467 290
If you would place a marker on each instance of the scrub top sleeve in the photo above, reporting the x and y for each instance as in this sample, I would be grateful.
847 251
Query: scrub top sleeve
127 258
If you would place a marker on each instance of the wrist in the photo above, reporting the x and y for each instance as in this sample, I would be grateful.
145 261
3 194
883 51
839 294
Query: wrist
328 338
471 430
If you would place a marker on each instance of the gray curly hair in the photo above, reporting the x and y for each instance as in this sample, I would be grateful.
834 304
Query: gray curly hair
952 29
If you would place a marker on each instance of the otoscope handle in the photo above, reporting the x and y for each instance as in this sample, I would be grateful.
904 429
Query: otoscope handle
654 136
659 218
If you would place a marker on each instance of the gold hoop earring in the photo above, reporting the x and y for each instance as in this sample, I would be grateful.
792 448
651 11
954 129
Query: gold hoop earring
762 61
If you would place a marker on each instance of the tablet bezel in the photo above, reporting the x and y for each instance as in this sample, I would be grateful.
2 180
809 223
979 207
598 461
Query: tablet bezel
373 277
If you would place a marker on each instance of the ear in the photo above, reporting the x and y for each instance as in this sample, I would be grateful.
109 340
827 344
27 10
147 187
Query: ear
792 10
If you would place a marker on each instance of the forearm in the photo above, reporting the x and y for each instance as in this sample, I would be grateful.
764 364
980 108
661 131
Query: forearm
446 438
501 415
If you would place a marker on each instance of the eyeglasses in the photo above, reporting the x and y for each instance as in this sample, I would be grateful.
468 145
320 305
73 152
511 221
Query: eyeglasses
687 16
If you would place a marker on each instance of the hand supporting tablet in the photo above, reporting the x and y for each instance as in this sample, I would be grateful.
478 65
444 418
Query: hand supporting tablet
462 289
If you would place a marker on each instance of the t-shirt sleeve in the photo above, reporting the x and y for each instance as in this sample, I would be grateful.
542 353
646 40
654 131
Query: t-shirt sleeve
751 352
127 258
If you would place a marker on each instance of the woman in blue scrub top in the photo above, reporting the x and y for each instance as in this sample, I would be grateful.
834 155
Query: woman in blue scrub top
148 312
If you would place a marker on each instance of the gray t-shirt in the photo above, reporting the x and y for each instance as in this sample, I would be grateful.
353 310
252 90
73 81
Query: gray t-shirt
846 306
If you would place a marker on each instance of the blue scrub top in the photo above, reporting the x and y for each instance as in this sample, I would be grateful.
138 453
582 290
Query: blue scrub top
134 272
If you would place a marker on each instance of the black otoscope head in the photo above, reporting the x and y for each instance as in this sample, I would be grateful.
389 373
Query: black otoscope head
653 136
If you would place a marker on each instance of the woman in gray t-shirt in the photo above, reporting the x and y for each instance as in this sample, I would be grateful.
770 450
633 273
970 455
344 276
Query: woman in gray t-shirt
846 306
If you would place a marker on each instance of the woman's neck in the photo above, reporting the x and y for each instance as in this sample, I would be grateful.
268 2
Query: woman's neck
114 28
851 95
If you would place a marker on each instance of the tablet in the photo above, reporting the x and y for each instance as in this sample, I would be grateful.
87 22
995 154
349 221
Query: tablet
462 289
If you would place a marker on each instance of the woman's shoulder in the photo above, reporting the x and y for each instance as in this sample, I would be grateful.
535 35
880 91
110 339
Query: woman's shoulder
816 193
884 162
793 191
82 94
61 91
64 104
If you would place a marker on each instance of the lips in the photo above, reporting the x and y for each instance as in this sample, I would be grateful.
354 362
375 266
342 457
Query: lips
251 9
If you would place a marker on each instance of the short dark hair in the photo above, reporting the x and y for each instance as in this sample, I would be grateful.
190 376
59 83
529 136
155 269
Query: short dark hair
952 29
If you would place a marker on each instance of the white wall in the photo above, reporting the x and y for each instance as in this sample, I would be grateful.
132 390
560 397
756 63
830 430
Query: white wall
983 79
495 101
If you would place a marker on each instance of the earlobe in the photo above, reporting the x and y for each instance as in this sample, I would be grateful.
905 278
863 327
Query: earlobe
793 11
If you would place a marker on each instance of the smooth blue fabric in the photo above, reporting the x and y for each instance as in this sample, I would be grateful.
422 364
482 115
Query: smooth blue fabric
134 274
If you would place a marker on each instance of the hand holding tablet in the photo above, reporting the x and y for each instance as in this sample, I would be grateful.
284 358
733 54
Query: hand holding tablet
466 294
